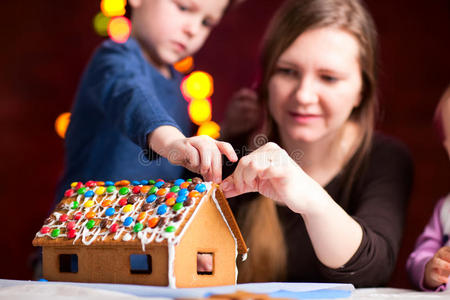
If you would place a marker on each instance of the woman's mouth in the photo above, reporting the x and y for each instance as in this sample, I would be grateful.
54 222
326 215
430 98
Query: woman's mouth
304 118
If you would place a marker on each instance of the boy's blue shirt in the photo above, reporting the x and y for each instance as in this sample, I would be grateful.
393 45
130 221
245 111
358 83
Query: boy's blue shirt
120 100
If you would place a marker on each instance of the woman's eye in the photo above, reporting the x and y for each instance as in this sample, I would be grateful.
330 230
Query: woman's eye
183 7
286 71
329 78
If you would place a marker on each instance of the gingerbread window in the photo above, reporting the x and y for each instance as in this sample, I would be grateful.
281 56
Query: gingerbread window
68 263
205 263
140 264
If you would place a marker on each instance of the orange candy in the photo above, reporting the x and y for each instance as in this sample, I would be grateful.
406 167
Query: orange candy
90 215
145 189
161 192
106 203
122 183
153 222
141 216
170 201
194 193
100 183
184 185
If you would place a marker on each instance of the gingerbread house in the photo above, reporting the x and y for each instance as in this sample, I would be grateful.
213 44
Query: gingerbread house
178 234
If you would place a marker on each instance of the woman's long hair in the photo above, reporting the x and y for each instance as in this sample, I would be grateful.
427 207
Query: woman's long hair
268 252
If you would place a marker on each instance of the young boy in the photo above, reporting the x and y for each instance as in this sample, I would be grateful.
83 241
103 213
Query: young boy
429 264
129 107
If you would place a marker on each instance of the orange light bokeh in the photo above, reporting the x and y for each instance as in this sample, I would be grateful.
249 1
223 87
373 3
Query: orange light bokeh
119 29
200 111
198 85
61 124
209 128
113 8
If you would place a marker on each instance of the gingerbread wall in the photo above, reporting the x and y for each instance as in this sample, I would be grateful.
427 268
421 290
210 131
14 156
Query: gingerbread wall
208 233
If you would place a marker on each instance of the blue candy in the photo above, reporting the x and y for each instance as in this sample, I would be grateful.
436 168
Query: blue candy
144 182
178 181
135 182
128 221
89 194
151 198
159 184
200 187
183 192
109 183
181 198
110 211
162 209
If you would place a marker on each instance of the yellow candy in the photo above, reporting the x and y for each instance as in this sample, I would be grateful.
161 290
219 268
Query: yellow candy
128 208
74 184
100 190
89 203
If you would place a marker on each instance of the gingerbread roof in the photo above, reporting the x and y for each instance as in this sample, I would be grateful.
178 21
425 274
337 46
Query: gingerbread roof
106 213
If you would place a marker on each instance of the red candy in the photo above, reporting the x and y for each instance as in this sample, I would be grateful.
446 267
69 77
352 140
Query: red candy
78 215
171 195
45 230
71 234
113 228
136 190
123 202
63 218
78 186
68 193
70 225
91 183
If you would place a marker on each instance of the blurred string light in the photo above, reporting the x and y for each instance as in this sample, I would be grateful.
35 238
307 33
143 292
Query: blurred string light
185 65
61 124
196 88
113 8
110 21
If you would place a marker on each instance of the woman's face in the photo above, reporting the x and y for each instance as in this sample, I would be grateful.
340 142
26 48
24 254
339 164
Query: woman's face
316 84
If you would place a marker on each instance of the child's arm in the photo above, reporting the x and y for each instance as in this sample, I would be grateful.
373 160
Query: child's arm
437 269
428 243
200 154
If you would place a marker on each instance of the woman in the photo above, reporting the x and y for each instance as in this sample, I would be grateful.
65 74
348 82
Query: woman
332 194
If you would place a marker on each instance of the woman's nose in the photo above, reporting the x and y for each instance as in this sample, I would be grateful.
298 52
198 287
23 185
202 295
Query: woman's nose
305 93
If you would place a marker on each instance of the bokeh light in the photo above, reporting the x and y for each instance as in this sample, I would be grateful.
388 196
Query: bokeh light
119 29
200 111
61 124
100 23
210 128
113 8
185 65
198 85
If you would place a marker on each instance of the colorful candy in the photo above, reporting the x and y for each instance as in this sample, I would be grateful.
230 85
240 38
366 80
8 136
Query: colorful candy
72 233
45 230
113 228
89 194
136 190
170 229
110 189
200 187
123 191
128 208
63 218
68 193
151 198
138 227
90 224
162 209
128 221
110 211
153 222
89 203
100 190
55 232
177 206
81 191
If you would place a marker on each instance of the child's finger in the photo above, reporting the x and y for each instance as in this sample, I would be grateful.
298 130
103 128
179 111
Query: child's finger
441 264
227 149
216 165
204 150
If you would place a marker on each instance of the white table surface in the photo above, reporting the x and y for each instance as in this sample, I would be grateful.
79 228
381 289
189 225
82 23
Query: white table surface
17 289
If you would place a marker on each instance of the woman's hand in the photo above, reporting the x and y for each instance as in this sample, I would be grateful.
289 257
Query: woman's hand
242 115
437 269
270 171
199 154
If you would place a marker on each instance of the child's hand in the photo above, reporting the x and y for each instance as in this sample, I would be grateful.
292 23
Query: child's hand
437 269
199 154
242 115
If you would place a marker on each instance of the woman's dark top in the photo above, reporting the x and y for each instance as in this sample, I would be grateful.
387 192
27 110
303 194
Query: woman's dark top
377 201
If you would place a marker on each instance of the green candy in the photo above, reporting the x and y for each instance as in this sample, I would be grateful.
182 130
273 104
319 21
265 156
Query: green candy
189 180
178 206
81 191
151 181
138 227
153 190
90 224
123 191
170 229
110 189
55 232
75 205
175 189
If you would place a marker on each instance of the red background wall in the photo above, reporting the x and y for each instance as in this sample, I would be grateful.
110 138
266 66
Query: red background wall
45 45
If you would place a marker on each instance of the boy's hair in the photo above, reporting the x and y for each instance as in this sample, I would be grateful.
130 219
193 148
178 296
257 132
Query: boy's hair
438 114
231 4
